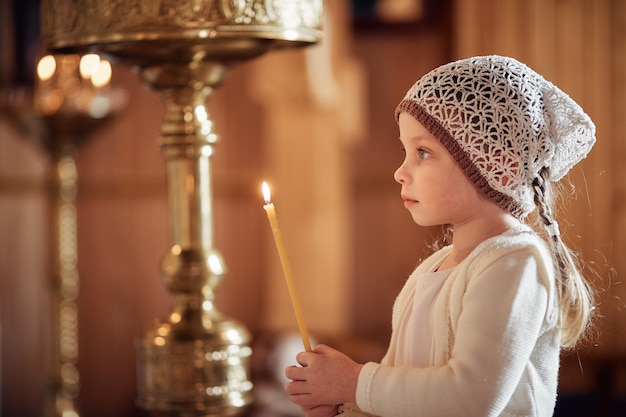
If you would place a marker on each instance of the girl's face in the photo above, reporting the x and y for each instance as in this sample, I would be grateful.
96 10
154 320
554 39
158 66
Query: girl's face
434 189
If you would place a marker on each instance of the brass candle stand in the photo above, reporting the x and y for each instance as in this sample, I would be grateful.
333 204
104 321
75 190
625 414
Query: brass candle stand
195 362
59 113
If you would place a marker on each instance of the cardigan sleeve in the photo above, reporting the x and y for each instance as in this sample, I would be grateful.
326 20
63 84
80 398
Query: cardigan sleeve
502 316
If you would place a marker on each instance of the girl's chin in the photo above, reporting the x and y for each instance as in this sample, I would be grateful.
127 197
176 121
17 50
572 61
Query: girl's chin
425 221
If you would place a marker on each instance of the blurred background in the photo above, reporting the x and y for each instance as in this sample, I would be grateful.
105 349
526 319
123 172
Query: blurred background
316 123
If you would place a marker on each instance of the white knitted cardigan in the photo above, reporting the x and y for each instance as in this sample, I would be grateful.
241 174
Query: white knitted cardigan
495 349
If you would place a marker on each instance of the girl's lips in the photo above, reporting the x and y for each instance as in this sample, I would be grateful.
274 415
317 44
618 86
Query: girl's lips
408 202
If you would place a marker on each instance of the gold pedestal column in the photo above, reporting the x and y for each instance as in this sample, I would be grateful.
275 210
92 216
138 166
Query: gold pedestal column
195 362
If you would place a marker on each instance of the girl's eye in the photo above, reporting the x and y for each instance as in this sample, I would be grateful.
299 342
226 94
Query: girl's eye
423 153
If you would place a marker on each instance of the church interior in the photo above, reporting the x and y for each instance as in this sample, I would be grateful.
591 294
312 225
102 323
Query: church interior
317 124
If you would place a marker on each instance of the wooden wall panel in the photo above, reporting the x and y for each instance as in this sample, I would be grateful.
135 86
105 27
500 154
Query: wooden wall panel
24 306
615 108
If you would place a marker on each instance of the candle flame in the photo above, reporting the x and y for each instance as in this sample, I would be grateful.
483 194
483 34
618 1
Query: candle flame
101 74
266 192
88 64
46 67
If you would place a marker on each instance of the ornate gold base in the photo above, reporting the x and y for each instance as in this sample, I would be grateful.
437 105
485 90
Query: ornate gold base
197 377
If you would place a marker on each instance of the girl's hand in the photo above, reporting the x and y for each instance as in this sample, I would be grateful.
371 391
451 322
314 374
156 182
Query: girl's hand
326 377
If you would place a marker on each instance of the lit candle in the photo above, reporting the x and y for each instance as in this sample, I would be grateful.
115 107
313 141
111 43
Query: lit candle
271 216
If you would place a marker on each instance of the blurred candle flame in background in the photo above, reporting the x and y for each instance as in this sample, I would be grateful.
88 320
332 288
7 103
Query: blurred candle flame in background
73 83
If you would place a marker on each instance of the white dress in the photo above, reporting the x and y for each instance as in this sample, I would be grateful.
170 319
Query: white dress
495 339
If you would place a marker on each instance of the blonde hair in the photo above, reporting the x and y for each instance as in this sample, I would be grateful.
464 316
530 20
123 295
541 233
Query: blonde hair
576 296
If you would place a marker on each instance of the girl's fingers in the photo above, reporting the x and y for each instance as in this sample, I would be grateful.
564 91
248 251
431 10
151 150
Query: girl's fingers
303 358
294 373
297 388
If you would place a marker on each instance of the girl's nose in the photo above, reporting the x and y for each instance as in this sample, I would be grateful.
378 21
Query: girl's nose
400 175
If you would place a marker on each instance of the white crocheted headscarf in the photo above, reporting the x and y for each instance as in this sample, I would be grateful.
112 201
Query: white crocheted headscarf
502 123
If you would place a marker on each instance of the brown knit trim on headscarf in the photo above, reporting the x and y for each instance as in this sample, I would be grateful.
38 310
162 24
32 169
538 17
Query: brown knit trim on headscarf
460 156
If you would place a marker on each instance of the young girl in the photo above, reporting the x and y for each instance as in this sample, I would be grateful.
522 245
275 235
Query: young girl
478 326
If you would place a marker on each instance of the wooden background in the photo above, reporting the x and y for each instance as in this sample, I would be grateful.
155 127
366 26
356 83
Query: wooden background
318 124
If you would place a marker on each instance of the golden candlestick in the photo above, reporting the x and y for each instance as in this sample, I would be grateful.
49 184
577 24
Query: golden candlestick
195 362
70 100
